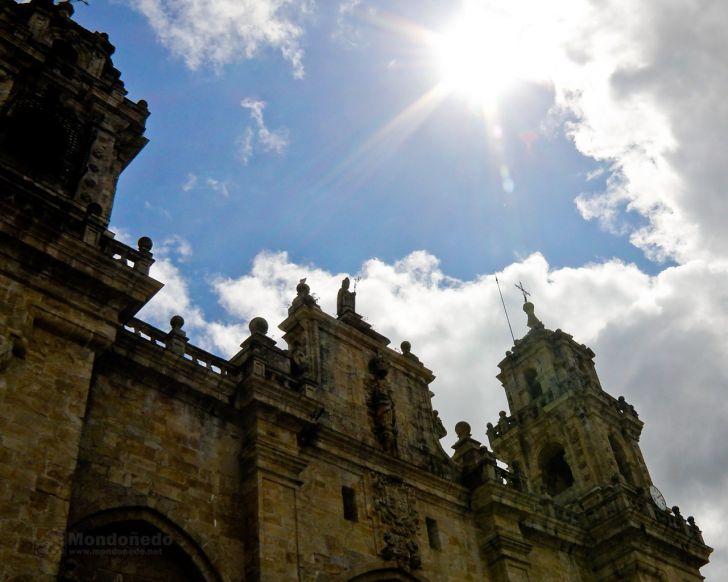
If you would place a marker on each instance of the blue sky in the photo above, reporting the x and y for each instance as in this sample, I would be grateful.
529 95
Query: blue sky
328 198
586 158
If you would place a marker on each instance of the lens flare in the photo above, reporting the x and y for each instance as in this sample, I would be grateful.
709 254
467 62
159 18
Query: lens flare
484 51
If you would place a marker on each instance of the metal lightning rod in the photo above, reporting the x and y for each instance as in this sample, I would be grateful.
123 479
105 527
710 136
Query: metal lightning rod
505 310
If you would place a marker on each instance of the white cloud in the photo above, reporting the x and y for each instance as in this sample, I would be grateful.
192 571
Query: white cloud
639 87
218 186
175 246
190 182
217 32
193 182
344 31
644 89
123 234
173 299
245 145
275 141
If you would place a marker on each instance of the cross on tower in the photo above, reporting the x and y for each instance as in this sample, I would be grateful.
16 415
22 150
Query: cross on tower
525 293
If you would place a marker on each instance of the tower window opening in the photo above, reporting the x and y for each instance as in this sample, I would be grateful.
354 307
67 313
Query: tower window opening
348 497
557 475
45 138
621 458
533 385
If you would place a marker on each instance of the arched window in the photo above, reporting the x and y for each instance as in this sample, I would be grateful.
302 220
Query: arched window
533 385
555 470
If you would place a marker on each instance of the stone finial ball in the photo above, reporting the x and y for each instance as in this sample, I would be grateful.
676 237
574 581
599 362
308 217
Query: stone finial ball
145 244
258 325
65 9
406 347
177 322
462 429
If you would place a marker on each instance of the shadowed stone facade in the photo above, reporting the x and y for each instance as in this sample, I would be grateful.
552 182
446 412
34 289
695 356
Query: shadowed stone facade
128 454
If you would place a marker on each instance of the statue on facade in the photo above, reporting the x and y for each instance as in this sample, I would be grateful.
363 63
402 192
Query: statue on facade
381 403
345 299
385 422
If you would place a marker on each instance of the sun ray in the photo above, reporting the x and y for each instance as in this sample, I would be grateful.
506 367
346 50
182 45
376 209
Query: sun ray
353 170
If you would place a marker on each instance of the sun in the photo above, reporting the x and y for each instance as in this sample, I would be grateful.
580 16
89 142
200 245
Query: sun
483 52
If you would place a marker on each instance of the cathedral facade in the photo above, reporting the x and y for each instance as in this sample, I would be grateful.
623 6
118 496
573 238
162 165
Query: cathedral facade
129 454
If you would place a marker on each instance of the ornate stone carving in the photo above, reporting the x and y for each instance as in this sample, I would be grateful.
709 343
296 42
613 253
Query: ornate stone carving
440 429
394 502
303 297
532 322
407 352
300 363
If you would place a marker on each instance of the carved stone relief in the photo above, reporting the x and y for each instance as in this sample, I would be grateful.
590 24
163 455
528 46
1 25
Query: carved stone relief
440 429
300 362
394 502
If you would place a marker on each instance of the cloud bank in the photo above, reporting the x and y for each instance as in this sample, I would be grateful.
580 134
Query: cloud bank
640 87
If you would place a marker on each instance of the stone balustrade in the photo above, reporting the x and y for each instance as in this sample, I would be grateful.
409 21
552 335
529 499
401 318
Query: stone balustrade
510 479
623 407
505 423
139 260
176 342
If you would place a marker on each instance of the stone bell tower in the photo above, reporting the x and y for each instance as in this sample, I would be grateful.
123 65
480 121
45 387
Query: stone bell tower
567 435
64 117
66 284
573 450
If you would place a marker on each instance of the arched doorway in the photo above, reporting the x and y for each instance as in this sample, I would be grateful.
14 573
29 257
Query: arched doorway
134 544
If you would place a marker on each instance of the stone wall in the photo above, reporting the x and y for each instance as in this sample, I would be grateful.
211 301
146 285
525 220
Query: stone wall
148 444
42 398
